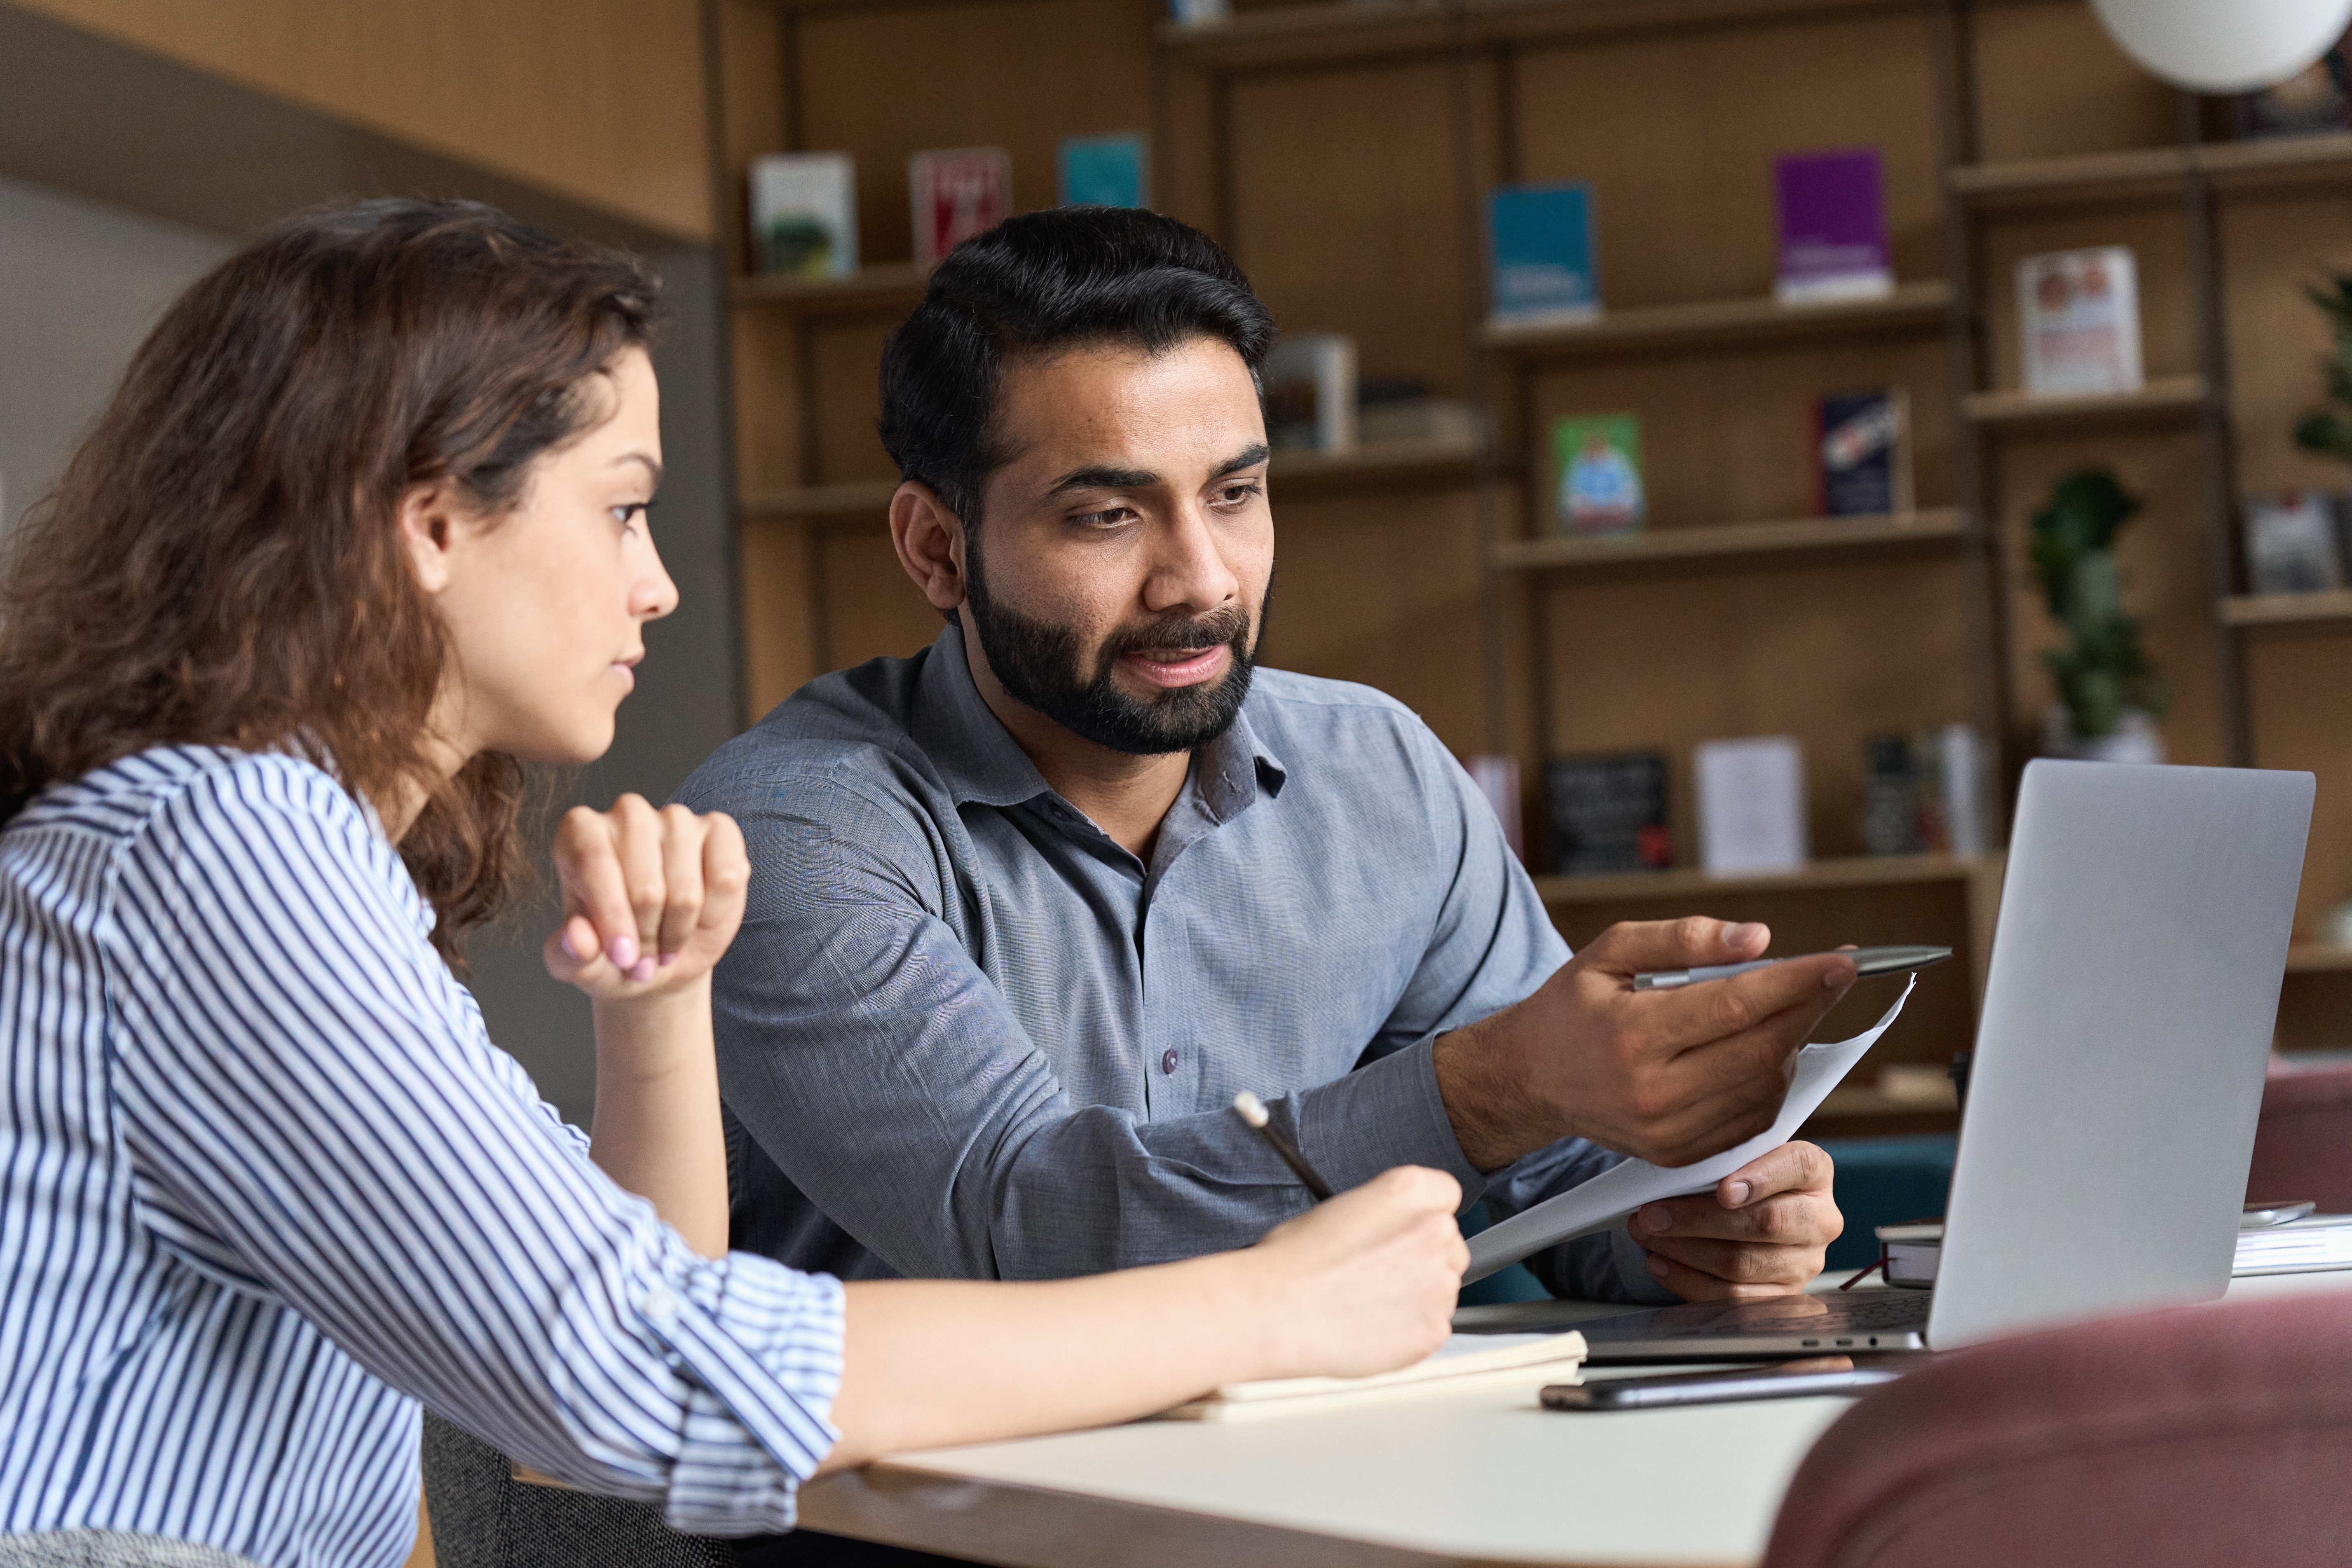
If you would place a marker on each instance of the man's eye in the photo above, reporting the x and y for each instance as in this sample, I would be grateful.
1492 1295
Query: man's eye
1234 495
1106 518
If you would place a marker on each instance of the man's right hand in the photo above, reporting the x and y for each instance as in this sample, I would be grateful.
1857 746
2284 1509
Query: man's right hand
1668 1076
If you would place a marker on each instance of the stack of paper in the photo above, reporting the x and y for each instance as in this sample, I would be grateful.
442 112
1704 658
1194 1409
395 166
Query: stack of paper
1462 1365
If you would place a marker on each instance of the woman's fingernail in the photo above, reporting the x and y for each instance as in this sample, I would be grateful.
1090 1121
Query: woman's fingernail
1739 1191
570 951
642 970
1657 1266
623 952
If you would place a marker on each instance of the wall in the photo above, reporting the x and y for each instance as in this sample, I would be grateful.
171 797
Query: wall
80 283
600 101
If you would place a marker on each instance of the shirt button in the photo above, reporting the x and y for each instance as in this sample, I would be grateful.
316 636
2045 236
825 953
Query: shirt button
661 1306
1168 1059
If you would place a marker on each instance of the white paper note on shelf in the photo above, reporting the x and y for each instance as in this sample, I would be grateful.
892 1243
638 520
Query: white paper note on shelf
1606 1200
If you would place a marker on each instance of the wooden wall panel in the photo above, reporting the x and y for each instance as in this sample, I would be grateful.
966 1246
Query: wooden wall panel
776 577
2050 81
2162 554
600 101
2302 686
1730 438
1345 213
1678 134
750 67
1830 655
871 608
1384 590
1018 74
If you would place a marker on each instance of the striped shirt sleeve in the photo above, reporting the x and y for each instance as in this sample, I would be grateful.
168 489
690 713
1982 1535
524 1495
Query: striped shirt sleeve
315 1114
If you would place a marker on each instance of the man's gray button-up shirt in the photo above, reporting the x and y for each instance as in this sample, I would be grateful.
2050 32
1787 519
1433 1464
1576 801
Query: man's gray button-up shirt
965 1033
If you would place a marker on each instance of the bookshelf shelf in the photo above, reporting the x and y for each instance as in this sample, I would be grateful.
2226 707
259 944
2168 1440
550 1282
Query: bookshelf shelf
1822 875
896 284
1722 323
868 499
2319 959
2169 397
2156 174
2287 609
1381 465
1309 35
1736 543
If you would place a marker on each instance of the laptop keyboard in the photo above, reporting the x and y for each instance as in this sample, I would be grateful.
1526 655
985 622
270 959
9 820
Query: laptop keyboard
1875 1310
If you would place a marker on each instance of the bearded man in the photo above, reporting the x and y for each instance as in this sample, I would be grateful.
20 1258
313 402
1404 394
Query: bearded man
1030 908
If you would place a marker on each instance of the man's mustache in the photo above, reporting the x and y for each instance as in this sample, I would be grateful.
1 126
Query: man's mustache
1210 631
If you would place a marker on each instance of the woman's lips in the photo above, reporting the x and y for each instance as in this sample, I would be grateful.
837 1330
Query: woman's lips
628 676
1172 667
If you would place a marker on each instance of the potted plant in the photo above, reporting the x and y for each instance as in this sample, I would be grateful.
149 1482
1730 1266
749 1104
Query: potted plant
2109 695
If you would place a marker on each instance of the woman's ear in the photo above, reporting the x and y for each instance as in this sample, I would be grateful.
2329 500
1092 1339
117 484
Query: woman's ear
428 523
929 541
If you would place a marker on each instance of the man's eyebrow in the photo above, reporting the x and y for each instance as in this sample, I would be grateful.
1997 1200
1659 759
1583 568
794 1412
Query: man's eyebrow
1248 457
1102 476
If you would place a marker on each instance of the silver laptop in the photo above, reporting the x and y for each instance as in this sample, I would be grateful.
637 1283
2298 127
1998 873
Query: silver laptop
2117 1072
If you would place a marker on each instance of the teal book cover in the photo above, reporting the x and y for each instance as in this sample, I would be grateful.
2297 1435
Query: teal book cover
1105 171
1540 241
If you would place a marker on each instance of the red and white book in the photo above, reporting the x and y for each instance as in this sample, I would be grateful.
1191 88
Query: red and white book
958 192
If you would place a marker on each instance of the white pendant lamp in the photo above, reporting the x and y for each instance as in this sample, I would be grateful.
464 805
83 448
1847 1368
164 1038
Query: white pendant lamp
2225 46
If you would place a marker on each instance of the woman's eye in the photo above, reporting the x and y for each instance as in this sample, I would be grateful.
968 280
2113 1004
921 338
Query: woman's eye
625 514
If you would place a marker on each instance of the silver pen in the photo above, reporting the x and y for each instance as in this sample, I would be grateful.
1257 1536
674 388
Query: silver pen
1867 961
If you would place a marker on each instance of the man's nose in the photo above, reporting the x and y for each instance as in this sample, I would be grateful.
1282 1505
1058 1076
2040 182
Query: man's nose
1191 570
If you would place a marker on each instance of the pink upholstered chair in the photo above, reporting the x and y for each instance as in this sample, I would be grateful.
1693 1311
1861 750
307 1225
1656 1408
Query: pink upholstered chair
2176 1439
2303 1145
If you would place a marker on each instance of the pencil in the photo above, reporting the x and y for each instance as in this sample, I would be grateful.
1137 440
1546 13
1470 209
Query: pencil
1252 1111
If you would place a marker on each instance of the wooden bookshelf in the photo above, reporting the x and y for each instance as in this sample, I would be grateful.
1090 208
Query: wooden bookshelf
2319 959
1375 465
2287 609
1320 35
1710 325
1822 875
2159 173
1736 543
2166 398
869 501
891 286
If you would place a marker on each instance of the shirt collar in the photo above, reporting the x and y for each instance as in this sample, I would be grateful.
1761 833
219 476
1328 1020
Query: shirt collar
983 763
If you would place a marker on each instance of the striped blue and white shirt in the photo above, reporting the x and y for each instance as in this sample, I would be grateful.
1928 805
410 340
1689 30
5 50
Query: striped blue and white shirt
266 1185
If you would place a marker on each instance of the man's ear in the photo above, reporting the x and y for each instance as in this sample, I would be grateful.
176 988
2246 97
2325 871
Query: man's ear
428 522
929 541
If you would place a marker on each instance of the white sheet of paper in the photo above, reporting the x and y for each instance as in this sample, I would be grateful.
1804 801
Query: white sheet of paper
1606 1200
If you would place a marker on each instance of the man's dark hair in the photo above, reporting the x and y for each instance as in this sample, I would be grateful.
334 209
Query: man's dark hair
1047 280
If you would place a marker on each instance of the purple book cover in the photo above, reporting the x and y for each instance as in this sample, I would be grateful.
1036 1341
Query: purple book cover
1834 227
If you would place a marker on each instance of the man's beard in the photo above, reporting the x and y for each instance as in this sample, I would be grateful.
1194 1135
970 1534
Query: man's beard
1041 665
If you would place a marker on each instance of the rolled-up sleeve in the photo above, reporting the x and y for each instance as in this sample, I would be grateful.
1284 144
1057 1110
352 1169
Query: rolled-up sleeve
315 1116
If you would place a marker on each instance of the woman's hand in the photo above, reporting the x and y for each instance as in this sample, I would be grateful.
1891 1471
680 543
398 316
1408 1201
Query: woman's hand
650 898
1366 1282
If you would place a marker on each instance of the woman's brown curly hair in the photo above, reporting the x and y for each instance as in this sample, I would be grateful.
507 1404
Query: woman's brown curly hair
220 563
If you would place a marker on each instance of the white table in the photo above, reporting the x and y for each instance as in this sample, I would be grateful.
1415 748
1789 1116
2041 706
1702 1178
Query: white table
1465 1479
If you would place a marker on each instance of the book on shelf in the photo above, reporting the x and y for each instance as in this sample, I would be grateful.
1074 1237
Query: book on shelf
1200 13
1539 240
2314 102
1104 171
2317 1242
1310 393
1926 792
1497 775
1832 210
2078 322
2294 541
804 214
1599 460
956 193
1752 804
1607 813
1861 456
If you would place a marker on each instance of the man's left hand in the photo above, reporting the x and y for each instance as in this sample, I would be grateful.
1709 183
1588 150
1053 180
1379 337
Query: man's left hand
1761 1232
